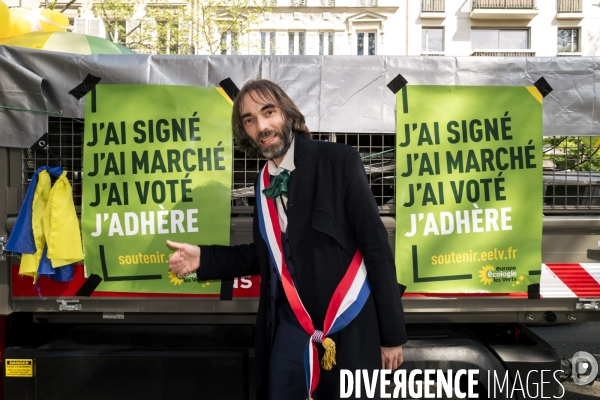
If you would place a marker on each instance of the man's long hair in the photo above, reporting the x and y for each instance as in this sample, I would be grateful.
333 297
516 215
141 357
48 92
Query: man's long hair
271 93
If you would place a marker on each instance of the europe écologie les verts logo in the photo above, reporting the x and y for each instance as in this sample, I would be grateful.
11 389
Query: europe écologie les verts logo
489 274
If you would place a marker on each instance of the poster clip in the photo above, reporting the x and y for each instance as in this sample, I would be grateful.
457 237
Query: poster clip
543 86
84 87
533 291
41 143
226 289
230 88
397 83
402 289
89 285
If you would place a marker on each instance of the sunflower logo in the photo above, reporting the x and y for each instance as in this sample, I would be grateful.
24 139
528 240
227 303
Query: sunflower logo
175 280
483 275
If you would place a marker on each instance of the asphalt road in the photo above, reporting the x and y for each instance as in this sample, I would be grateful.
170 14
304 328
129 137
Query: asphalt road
569 339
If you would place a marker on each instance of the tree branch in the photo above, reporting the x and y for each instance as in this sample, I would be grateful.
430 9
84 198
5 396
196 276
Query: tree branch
66 7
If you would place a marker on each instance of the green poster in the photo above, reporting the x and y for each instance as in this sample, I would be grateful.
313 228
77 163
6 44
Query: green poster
468 188
157 166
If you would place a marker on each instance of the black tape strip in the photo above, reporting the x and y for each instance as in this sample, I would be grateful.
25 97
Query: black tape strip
230 88
543 86
89 285
84 87
94 99
41 143
404 100
533 291
402 289
397 83
226 289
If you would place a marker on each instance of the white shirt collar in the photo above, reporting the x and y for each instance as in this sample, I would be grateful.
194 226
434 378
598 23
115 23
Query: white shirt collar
287 163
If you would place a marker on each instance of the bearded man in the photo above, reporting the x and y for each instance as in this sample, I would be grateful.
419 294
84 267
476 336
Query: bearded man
327 269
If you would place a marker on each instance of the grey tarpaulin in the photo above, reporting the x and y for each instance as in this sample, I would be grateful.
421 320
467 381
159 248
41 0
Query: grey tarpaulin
336 93
20 87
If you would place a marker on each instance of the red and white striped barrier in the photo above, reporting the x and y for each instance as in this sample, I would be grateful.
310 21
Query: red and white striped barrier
570 280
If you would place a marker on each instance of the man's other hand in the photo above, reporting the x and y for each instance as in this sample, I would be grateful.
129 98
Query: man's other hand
391 357
185 259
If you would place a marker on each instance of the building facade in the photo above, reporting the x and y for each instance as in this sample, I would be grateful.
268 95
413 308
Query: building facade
541 28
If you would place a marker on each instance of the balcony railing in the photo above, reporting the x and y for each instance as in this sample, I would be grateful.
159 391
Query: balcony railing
570 6
503 53
503 4
576 54
432 6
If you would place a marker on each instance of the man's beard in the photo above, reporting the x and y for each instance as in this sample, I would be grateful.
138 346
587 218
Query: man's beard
279 148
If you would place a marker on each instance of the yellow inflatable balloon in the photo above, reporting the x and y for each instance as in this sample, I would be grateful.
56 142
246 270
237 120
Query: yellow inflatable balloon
25 20
4 20
20 22
58 21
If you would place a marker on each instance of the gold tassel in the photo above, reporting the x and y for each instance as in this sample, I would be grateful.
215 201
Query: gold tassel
328 360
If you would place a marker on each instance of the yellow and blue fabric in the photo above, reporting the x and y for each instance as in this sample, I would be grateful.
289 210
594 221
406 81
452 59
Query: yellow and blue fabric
46 232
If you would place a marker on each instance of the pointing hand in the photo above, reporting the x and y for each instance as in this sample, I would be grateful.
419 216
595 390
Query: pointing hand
185 259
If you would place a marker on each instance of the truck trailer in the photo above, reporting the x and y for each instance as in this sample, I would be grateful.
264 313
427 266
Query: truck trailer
65 340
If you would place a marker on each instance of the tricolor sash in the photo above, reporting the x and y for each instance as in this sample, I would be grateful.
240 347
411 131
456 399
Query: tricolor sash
345 304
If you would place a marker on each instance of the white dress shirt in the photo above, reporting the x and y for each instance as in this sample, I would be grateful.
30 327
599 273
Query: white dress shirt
281 201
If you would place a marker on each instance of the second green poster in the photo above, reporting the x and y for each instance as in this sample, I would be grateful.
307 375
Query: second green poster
468 188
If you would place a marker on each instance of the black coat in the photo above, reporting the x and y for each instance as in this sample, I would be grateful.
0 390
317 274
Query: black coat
331 211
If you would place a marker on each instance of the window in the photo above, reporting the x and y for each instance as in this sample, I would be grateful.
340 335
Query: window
296 43
229 43
325 43
365 43
499 39
432 39
568 40
267 43
119 33
166 38
327 3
